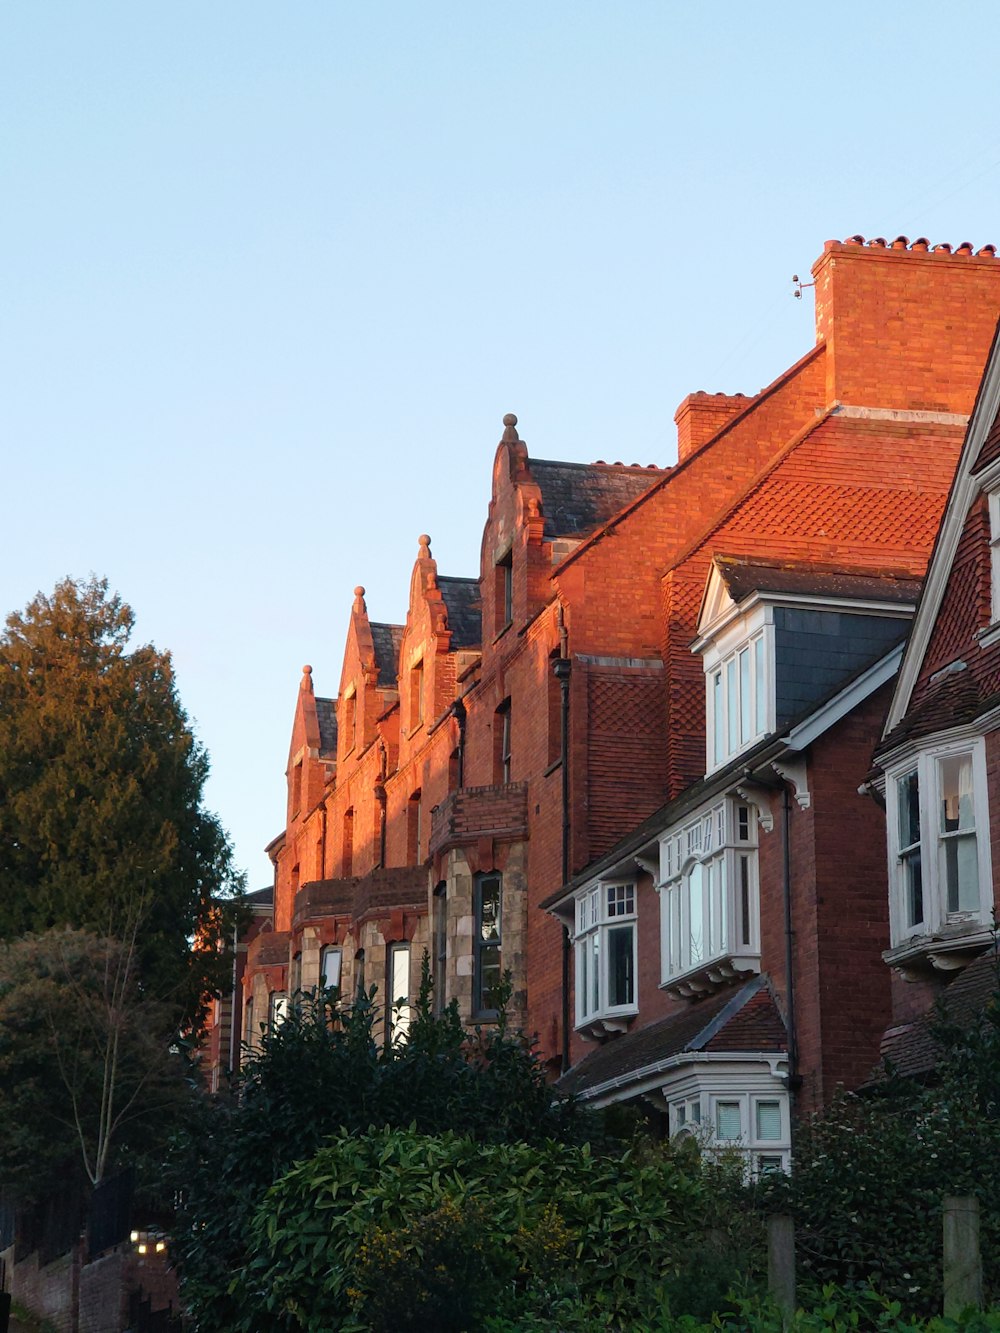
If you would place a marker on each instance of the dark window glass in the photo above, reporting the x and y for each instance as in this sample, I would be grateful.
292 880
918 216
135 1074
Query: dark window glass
487 945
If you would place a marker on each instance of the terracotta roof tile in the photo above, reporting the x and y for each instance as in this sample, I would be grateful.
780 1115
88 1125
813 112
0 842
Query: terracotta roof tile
717 1023
912 1049
743 575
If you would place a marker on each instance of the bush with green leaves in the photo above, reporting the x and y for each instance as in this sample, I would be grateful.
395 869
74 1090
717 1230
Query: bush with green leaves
872 1171
544 1224
326 1070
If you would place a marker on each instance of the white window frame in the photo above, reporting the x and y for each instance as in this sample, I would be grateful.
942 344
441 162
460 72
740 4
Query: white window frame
719 842
693 1102
751 634
400 1010
327 955
608 905
936 917
994 506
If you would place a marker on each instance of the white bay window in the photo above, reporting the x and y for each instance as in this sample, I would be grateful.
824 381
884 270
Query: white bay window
743 1111
939 869
709 927
605 942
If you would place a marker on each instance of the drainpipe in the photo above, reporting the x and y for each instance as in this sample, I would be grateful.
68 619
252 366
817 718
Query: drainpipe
794 1079
380 796
458 708
562 667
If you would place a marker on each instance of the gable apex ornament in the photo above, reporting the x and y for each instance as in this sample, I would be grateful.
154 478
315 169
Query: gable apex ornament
510 435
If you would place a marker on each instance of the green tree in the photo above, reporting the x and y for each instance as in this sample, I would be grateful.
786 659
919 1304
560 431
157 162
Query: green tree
88 1080
101 779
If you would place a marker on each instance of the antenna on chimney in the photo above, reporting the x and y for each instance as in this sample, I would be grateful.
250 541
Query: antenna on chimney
799 285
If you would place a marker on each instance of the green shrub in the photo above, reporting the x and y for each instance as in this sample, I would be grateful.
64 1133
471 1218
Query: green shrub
556 1223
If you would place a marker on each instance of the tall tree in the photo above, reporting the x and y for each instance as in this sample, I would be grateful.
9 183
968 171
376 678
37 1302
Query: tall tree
101 779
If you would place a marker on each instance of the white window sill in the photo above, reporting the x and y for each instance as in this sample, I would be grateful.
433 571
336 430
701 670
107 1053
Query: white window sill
947 950
599 1026
712 975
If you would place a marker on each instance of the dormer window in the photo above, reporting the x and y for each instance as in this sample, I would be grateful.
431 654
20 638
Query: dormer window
606 959
737 700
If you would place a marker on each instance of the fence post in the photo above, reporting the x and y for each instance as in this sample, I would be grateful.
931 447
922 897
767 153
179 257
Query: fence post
781 1262
963 1267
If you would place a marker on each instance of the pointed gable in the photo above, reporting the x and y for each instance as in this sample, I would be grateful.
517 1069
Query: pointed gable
952 628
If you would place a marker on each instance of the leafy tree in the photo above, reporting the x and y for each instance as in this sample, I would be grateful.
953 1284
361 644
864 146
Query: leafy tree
101 779
86 1078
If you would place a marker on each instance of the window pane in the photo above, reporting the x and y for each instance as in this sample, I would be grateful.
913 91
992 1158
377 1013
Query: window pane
955 774
732 705
961 873
745 900
760 685
582 987
727 1120
696 914
332 960
908 796
913 888
399 991
768 1121
594 973
745 713
489 976
768 1165
718 720
621 987
489 908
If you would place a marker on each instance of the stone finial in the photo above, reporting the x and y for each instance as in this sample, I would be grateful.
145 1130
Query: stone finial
424 543
307 685
359 599
509 428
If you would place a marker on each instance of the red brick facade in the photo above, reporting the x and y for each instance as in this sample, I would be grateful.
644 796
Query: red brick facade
440 760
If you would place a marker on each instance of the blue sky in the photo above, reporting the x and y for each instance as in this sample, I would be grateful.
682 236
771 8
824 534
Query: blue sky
270 276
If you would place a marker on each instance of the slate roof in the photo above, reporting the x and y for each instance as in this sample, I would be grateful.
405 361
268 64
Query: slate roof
263 897
743 575
743 1020
326 715
912 1049
387 640
578 498
465 611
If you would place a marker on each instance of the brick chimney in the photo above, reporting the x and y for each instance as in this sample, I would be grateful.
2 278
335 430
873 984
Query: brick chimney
907 326
702 415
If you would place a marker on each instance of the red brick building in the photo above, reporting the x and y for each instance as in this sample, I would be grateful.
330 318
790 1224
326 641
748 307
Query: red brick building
938 761
544 733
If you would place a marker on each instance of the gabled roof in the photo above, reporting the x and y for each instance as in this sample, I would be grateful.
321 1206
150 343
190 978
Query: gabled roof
387 640
326 716
912 1048
465 610
965 487
578 498
742 1021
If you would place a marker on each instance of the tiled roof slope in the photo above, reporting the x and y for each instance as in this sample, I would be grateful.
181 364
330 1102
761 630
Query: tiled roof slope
913 1049
326 716
465 613
958 679
744 1020
387 640
577 498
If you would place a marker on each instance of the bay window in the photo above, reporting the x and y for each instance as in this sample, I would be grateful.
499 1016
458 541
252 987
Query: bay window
708 896
741 1120
605 941
939 869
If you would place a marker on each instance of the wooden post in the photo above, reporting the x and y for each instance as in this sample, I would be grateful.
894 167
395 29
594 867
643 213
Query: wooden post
781 1262
963 1267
